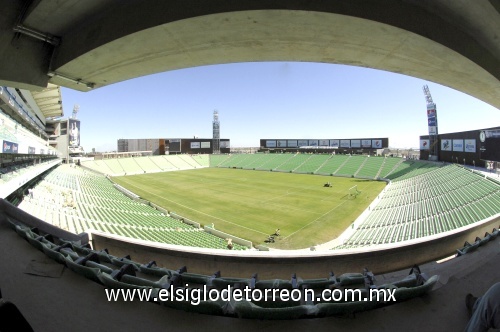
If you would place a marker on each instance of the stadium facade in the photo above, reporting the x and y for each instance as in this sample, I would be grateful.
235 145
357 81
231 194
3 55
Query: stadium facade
342 146
32 125
164 146
23 127
479 147
26 151
64 136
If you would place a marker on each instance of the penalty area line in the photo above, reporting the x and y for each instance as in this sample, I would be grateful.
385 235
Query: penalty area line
200 212
324 214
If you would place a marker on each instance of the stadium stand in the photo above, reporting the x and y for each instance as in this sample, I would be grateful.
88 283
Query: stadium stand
388 165
130 166
370 167
237 160
203 160
425 200
341 165
99 166
164 163
215 160
147 164
188 159
256 161
292 163
322 164
78 200
181 161
332 165
407 169
115 166
312 164
274 161
351 165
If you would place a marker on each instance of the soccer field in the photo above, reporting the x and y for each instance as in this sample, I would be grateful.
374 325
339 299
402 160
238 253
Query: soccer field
252 204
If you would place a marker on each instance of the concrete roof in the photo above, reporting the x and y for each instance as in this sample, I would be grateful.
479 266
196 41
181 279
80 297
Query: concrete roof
49 100
88 44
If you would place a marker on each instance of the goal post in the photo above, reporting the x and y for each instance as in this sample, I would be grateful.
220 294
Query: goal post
354 192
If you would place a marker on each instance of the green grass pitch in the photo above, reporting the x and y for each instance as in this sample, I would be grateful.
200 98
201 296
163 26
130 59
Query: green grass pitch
252 204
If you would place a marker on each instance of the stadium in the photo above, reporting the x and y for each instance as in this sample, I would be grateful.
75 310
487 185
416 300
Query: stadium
305 216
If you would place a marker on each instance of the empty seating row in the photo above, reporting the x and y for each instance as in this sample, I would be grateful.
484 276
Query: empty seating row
146 164
323 164
115 272
437 200
77 200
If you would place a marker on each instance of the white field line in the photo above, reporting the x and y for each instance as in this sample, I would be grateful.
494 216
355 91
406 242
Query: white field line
200 212
268 202
288 208
238 225
324 214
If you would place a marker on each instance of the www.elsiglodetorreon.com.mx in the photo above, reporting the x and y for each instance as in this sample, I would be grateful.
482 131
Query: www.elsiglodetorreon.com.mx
197 295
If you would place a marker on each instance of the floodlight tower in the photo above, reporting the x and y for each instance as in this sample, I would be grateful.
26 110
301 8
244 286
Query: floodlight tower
216 133
432 124
76 108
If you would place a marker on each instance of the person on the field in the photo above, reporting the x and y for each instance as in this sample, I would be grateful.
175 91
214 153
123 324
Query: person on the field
277 232
484 311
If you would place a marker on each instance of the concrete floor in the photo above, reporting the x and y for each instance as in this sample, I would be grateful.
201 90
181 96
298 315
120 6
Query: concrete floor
66 301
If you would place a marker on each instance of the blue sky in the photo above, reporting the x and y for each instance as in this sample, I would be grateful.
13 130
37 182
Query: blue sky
272 100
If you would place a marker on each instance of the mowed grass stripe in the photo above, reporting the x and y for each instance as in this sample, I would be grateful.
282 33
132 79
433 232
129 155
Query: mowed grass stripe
252 204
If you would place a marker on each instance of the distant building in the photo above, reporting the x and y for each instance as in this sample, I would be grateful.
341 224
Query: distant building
163 146
371 146
140 144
